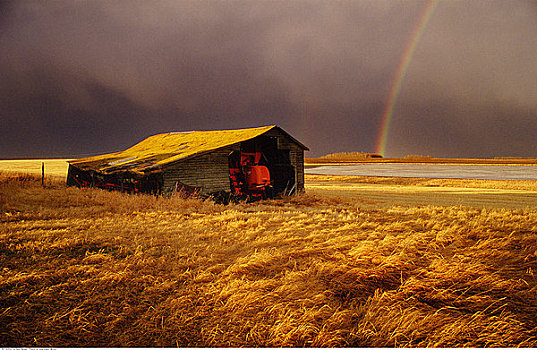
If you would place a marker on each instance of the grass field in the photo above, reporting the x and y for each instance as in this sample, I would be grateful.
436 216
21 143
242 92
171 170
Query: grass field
378 192
53 167
86 267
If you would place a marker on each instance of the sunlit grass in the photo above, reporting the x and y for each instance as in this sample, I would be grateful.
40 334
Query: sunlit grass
385 192
53 167
86 267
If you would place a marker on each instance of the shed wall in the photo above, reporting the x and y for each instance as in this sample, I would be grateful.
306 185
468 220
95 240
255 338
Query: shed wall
208 172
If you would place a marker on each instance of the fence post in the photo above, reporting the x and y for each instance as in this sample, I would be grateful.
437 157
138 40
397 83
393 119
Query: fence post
43 174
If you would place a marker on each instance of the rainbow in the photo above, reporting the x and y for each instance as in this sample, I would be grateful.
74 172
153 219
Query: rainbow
400 74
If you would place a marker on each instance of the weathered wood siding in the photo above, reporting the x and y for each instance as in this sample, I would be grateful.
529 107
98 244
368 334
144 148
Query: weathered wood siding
299 160
208 172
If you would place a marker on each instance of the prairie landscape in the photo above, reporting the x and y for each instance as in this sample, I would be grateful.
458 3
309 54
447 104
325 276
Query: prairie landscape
385 262
192 97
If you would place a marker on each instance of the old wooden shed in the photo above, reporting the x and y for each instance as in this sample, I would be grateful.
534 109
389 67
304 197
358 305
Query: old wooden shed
200 161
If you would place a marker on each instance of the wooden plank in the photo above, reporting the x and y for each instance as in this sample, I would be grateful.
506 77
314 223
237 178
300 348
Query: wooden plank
210 172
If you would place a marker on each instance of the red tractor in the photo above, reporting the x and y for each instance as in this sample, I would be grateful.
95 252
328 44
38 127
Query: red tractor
247 177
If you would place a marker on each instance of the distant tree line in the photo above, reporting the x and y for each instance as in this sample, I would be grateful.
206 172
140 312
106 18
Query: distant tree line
349 156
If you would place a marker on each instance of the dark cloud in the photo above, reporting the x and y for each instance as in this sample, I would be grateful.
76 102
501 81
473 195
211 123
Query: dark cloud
471 87
97 76
450 129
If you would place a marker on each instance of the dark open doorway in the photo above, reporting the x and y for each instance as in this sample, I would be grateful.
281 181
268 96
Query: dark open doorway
278 162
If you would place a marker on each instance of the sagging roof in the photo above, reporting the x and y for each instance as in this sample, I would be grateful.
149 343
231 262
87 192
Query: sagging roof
155 151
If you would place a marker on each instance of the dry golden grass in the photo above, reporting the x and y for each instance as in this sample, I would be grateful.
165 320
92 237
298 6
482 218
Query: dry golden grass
53 167
526 185
85 267
378 192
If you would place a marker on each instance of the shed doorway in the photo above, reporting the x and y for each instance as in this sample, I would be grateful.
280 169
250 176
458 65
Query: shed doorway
278 161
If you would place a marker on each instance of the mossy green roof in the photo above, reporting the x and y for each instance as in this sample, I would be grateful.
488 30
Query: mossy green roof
158 150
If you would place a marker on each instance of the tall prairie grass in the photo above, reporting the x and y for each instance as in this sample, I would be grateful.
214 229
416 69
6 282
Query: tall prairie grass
86 267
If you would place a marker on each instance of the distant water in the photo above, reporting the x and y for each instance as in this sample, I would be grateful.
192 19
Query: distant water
443 171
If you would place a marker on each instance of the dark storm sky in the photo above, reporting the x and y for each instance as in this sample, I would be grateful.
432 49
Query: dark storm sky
88 77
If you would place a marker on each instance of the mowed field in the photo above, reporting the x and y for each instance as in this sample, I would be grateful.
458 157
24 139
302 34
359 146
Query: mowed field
385 192
377 262
53 167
